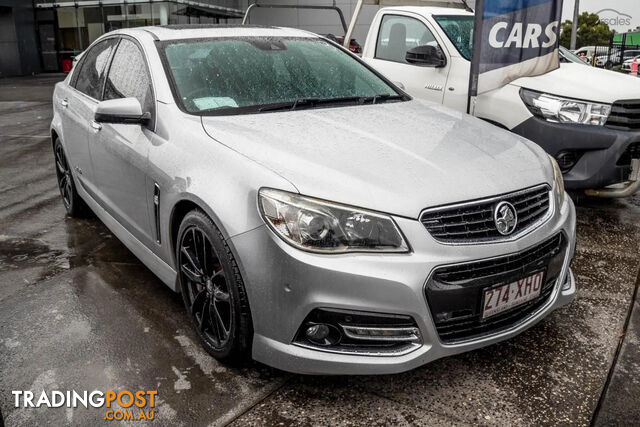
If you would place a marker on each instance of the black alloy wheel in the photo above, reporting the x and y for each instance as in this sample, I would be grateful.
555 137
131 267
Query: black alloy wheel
212 289
74 205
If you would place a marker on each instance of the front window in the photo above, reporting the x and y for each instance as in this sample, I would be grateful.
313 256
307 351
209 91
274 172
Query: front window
129 77
255 74
398 34
459 29
90 77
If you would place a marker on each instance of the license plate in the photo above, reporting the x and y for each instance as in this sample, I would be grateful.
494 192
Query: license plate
502 298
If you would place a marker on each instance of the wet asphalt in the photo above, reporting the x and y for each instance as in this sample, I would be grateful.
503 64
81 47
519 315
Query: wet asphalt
79 312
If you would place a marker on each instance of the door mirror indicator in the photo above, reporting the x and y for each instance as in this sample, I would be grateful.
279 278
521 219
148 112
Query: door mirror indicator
426 56
122 111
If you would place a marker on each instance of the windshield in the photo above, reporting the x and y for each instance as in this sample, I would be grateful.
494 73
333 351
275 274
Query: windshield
459 29
255 74
567 56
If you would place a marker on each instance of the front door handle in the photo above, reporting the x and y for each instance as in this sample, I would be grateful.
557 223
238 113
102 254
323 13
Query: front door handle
64 103
95 125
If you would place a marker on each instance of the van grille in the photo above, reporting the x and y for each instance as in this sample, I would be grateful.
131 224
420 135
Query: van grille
625 115
473 222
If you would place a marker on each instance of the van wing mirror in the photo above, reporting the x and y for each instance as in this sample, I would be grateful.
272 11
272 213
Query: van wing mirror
122 111
426 56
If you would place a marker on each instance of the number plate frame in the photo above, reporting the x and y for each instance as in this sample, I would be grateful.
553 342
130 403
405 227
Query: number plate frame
513 286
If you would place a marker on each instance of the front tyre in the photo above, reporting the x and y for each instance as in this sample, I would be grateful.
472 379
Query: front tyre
213 290
75 206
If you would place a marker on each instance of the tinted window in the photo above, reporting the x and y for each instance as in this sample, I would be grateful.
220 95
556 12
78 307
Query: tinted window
398 34
129 76
236 76
92 72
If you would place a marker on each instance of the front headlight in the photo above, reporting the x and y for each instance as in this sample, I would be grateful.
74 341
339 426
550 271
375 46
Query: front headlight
326 227
562 110
559 182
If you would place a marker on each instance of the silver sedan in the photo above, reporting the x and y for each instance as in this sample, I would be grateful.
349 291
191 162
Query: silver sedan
312 215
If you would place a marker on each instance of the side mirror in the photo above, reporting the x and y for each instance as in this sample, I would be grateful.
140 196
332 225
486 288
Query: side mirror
123 111
426 56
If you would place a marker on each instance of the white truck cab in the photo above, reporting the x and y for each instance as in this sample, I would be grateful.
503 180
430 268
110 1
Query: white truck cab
588 118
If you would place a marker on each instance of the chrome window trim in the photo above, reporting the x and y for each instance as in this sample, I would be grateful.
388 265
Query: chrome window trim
511 238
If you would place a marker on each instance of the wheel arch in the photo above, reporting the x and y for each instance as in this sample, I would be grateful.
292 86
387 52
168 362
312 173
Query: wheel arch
185 204
54 136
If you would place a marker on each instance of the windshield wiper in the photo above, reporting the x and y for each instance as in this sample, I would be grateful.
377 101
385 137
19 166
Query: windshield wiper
224 107
313 102
382 97
289 105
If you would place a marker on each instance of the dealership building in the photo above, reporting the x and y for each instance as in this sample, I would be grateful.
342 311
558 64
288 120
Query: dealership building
43 36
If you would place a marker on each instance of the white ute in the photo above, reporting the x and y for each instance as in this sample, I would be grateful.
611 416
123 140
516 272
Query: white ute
587 118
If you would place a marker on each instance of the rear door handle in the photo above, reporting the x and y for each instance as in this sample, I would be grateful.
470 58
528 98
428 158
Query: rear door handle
95 125
64 103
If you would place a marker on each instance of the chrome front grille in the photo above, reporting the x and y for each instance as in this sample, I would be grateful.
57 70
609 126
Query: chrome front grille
473 222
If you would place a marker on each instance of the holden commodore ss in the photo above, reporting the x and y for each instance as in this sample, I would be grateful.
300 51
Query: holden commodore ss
313 216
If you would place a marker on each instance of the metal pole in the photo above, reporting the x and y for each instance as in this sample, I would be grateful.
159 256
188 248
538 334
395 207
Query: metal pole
474 71
574 25
352 24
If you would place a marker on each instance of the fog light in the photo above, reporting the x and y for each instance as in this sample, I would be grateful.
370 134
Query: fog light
317 332
567 159
322 334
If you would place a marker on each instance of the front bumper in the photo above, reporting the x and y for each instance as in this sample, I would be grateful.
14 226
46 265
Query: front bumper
600 148
285 284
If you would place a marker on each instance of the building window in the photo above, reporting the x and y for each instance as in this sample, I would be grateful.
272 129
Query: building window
67 28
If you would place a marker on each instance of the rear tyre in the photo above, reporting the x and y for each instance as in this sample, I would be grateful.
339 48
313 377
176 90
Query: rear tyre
213 290
608 65
75 206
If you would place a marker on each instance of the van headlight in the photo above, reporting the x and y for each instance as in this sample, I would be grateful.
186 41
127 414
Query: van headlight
326 227
558 188
563 110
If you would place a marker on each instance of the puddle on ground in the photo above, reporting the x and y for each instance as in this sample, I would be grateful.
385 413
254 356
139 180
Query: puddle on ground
19 253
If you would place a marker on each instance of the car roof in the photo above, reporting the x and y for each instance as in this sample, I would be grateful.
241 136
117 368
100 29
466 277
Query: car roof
179 32
428 10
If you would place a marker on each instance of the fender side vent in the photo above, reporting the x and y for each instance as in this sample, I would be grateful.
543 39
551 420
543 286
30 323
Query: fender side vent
156 210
